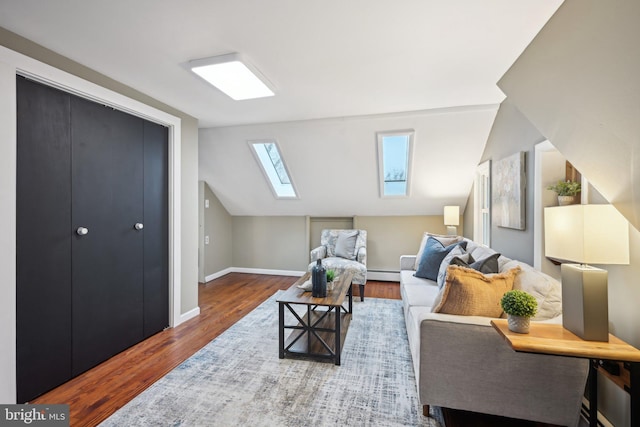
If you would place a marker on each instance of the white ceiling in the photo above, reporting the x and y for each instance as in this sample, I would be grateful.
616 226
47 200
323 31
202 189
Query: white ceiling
326 59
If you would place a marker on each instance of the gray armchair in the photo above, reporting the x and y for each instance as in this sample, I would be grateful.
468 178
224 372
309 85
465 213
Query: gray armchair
342 250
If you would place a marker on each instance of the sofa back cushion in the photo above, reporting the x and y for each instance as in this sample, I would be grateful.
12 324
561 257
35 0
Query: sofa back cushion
468 292
545 289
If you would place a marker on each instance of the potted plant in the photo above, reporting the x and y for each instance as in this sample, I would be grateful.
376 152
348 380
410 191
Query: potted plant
566 191
520 308
331 275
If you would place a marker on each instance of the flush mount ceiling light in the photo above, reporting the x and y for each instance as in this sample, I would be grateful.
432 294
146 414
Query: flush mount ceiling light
233 75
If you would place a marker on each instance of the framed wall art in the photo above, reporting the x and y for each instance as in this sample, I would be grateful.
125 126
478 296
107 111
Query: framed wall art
508 191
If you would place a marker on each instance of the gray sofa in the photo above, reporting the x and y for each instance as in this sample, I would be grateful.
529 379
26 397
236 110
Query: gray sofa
461 362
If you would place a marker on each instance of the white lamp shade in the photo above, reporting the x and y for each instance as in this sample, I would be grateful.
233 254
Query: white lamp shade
587 234
451 215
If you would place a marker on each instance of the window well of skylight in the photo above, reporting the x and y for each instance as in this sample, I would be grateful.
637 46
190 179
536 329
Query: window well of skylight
394 162
268 156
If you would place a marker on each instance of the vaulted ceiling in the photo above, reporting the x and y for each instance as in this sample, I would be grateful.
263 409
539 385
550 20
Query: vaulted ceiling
431 65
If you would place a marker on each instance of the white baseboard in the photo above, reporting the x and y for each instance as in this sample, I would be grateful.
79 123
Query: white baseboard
267 271
189 315
386 276
218 274
270 272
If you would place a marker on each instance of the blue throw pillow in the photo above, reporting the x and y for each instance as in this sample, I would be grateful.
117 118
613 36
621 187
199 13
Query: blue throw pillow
434 253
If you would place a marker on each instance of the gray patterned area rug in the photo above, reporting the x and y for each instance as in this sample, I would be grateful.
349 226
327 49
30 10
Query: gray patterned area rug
238 380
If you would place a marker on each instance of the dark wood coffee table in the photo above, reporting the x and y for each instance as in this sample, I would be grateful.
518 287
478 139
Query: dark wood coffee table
319 334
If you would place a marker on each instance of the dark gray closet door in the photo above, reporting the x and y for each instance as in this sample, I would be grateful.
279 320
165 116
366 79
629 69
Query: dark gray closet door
107 187
156 230
43 239
84 297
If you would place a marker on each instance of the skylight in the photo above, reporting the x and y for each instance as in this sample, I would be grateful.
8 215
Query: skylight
233 75
273 167
394 162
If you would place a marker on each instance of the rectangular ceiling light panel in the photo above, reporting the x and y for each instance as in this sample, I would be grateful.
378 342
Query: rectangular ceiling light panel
394 157
232 75
273 167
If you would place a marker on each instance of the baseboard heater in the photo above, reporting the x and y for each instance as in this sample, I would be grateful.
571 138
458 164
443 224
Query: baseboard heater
602 420
383 275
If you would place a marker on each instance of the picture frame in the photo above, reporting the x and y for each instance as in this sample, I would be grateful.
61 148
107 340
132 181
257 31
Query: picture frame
508 192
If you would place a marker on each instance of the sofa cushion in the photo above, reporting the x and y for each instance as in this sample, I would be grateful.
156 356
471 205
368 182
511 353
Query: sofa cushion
545 289
445 240
346 244
456 253
419 294
432 256
468 292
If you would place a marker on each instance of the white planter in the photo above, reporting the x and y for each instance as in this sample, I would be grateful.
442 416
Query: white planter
518 324
566 200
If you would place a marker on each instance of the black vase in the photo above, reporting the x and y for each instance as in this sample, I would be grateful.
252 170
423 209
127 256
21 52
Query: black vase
318 280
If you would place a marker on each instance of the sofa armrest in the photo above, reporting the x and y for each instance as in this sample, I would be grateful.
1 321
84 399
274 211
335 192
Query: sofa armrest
407 262
361 256
318 253
475 320
469 366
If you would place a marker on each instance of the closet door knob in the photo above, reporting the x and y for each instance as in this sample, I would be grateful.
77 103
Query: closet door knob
139 226
81 231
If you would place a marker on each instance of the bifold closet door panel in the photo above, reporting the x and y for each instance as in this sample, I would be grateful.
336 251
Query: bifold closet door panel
43 240
107 187
156 228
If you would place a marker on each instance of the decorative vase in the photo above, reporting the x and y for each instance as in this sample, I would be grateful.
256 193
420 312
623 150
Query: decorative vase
519 324
566 200
318 280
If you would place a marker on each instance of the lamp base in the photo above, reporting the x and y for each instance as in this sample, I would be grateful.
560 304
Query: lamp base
585 301
452 230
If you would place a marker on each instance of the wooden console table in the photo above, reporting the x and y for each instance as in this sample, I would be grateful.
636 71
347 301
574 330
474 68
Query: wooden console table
556 340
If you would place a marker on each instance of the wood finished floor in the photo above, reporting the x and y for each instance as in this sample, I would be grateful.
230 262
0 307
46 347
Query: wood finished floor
101 391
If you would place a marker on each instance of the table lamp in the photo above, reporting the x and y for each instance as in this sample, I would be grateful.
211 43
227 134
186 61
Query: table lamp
586 234
452 219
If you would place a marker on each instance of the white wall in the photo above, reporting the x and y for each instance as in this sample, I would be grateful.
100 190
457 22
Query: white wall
8 231
341 153
577 83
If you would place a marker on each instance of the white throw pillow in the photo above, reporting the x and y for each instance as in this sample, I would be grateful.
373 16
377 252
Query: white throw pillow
455 252
545 289
346 244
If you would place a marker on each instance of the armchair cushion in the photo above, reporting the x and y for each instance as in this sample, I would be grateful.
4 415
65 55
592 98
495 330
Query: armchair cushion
346 244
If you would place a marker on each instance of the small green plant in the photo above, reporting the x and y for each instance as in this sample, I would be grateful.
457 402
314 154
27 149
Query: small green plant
331 274
565 188
519 303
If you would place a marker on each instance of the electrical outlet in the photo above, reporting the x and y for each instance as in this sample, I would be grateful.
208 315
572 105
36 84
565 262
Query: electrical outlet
206 240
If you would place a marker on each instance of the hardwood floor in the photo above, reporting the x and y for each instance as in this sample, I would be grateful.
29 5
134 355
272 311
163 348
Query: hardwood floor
99 392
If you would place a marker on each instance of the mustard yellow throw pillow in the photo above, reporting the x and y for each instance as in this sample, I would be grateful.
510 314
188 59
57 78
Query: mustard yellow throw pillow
468 292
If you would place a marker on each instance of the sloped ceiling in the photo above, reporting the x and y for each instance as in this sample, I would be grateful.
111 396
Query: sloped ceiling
578 84
329 59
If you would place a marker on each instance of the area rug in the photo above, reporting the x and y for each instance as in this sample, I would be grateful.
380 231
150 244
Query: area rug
238 380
